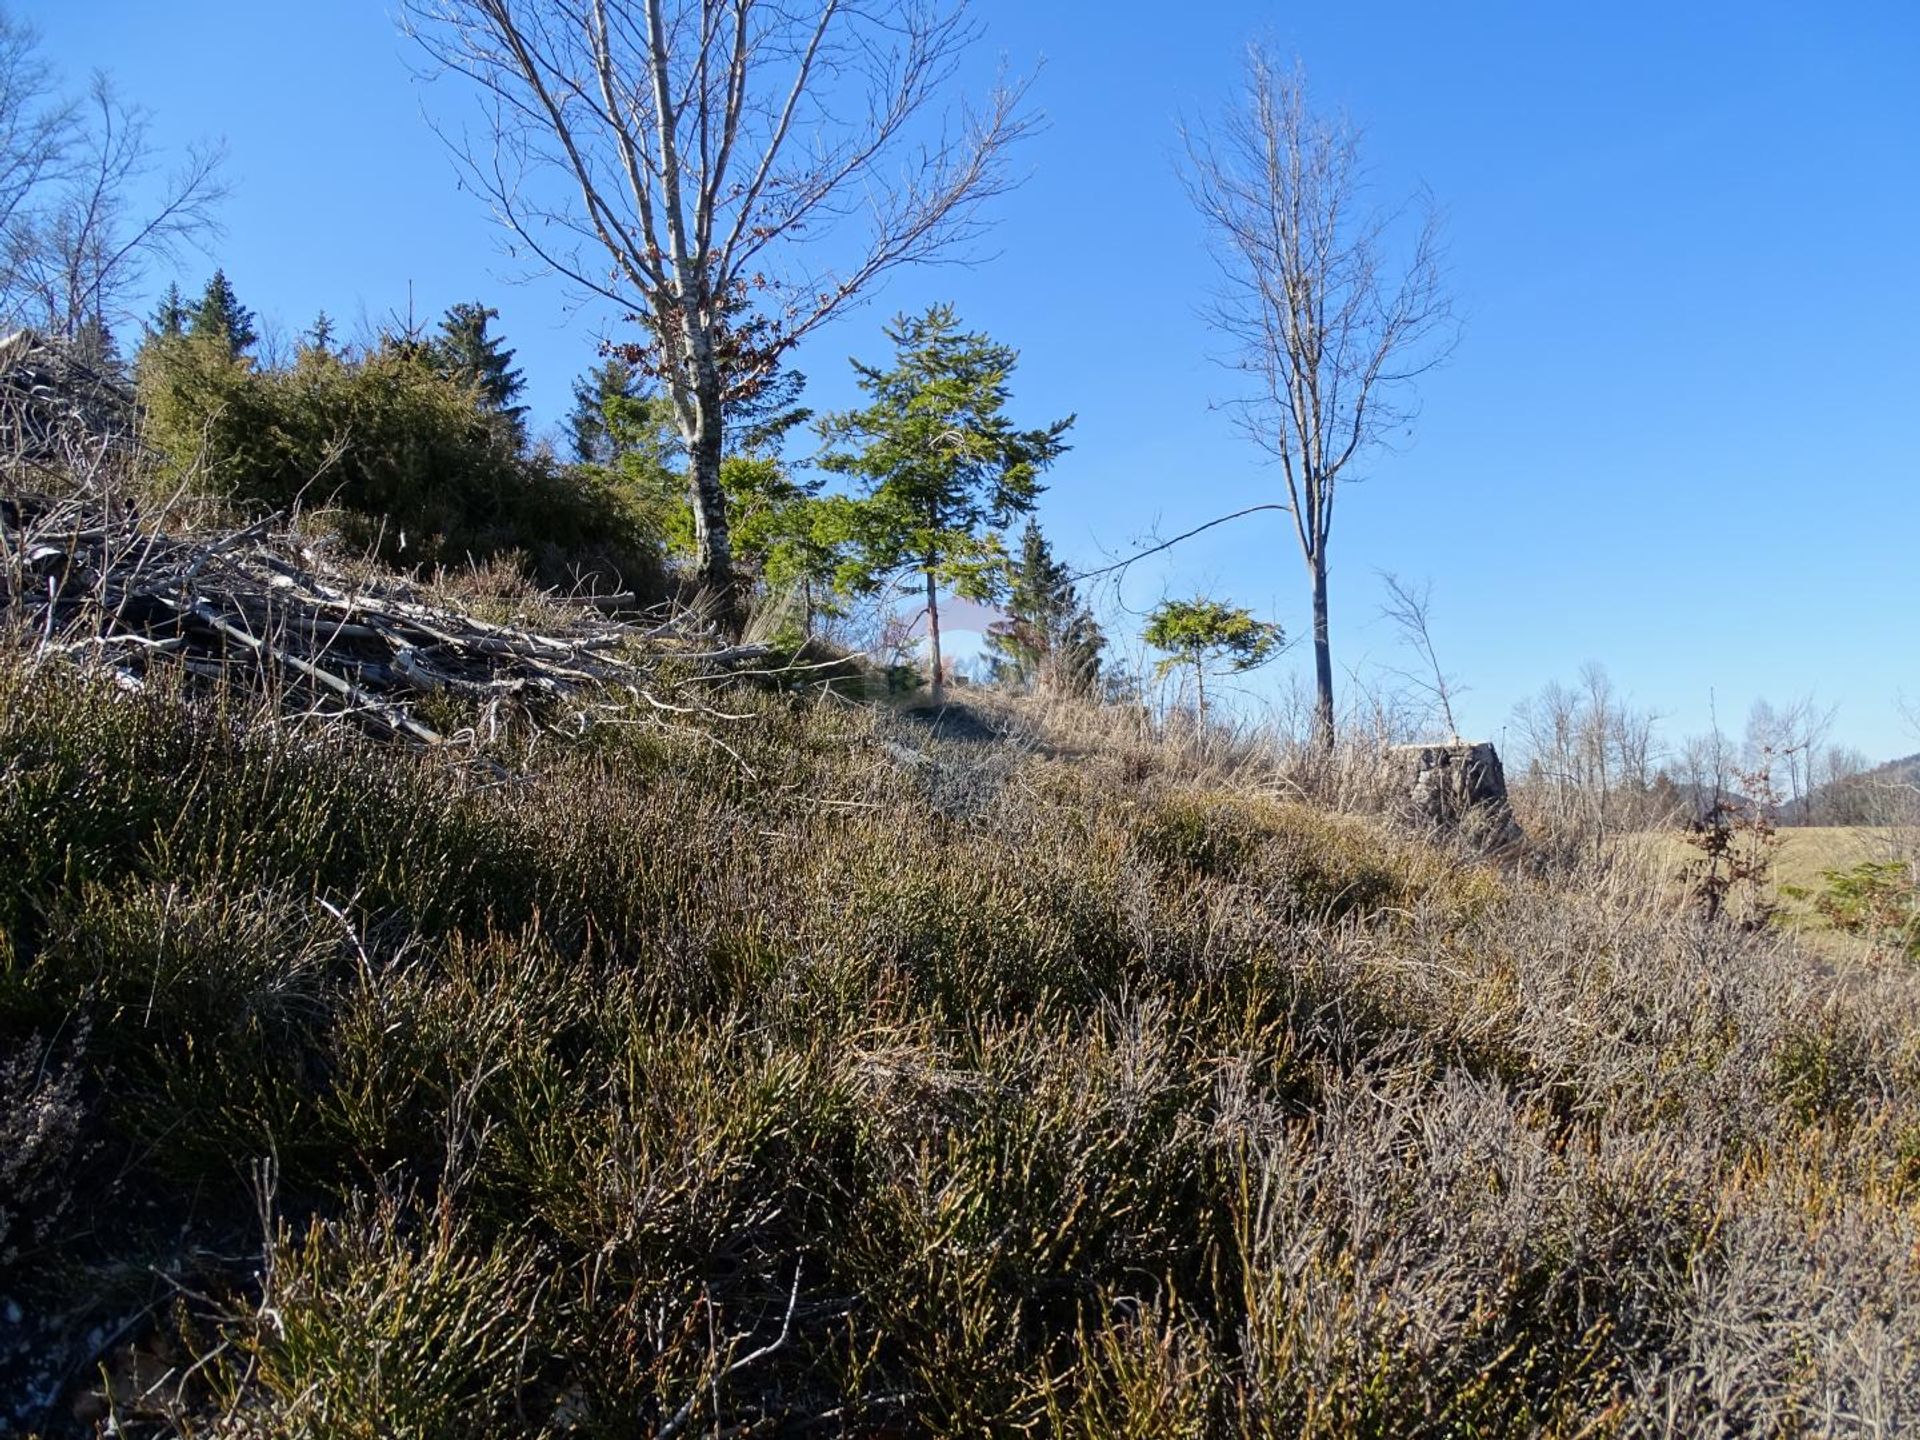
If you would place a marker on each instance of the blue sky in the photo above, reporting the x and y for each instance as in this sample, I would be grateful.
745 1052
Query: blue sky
1677 435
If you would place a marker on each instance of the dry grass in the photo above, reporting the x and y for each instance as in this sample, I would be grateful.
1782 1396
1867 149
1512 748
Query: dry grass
1801 860
824 1071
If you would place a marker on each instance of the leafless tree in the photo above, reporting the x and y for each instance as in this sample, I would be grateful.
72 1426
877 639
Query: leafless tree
1839 796
1328 324
1587 758
75 240
36 123
1706 767
1788 739
1408 608
695 161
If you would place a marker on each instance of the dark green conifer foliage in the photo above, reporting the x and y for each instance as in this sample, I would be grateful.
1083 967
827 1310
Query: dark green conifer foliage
465 351
759 420
319 335
942 468
614 379
1048 638
409 467
94 343
170 316
220 316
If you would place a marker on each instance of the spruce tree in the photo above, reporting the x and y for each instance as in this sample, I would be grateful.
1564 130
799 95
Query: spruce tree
220 316
319 336
759 418
170 316
942 467
465 351
613 379
1048 638
94 344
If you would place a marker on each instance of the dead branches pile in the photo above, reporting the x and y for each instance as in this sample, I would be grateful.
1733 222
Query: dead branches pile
255 608
50 396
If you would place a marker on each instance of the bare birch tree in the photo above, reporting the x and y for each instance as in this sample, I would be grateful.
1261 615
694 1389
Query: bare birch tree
1327 326
1587 759
731 173
83 216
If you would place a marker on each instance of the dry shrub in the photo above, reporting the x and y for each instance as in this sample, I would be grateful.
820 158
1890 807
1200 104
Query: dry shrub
824 1070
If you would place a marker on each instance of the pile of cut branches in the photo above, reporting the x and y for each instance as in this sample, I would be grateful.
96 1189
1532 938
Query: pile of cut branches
256 607
51 398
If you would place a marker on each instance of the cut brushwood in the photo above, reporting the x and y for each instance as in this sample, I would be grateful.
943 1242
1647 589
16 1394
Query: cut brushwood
253 607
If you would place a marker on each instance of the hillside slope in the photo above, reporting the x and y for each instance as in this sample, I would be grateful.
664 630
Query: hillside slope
809 1073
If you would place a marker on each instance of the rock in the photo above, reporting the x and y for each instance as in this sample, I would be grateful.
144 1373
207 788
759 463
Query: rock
1457 789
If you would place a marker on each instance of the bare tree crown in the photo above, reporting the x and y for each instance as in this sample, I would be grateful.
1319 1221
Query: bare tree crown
705 150
83 216
1327 325
696 141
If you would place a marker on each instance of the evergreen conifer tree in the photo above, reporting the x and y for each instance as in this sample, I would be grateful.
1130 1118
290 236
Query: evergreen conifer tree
943 468
319 336
1048 638
613 379
220 316
1206 635
465 351
170 316
93 343
758 420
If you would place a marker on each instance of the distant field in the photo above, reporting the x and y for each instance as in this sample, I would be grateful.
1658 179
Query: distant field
1805 853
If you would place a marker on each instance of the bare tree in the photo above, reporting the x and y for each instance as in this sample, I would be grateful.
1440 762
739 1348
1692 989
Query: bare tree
1706 767
74 242
1789 738
1327 326
76 253
682 158
1587 758
36 123
1408 608
1837 788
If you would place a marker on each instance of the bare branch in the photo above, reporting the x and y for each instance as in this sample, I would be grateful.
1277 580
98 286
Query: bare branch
1139 555
73 244
1409 610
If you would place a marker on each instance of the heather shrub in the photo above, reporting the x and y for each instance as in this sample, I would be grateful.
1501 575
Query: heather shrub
41 1145
802 1070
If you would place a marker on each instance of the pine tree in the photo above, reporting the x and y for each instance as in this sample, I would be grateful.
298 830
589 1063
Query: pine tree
943 468
220 316
1205 635
465 351
170 316
613 379
1048 638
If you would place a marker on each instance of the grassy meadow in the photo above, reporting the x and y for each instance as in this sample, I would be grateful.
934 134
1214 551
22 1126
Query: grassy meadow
1801 859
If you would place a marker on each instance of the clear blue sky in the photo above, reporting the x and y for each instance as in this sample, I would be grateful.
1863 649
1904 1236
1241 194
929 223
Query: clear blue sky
1678 434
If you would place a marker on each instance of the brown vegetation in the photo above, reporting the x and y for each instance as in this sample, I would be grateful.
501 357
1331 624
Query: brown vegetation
809 1070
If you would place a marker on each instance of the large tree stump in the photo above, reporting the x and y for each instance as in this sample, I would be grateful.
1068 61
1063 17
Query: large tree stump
1456 789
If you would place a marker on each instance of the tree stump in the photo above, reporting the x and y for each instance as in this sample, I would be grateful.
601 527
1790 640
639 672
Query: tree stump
1457 789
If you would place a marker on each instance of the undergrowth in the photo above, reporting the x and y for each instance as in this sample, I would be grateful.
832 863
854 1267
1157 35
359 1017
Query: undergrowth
804 1073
